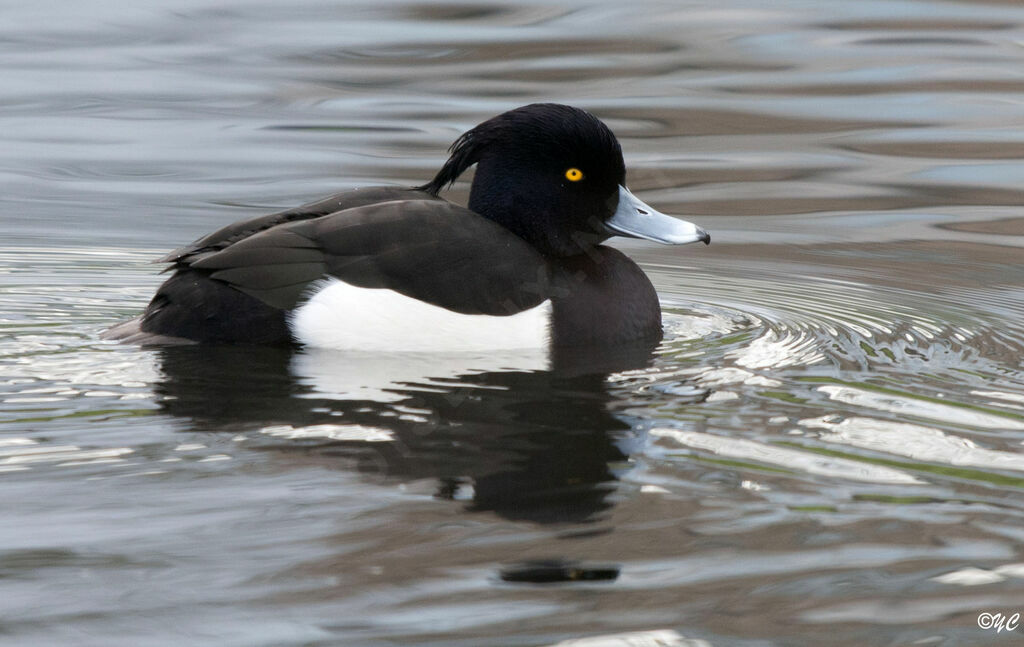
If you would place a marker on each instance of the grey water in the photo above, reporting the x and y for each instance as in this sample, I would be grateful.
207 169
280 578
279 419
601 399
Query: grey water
825 449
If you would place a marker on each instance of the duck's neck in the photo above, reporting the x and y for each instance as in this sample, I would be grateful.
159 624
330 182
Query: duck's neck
532 219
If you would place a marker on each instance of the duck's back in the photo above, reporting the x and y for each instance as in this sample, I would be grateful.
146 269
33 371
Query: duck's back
236 231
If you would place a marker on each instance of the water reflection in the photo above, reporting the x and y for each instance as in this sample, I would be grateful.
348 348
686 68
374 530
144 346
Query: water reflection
507 437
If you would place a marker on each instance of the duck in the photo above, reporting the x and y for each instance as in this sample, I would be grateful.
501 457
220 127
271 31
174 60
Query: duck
523 265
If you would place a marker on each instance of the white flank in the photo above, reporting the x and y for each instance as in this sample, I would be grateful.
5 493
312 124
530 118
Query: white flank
345 317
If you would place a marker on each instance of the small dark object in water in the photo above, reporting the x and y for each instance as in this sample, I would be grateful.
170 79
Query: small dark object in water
550 571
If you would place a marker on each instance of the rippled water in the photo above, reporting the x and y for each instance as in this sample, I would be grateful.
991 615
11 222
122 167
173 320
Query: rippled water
826 449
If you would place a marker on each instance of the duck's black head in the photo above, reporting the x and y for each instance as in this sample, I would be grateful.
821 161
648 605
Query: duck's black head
553 175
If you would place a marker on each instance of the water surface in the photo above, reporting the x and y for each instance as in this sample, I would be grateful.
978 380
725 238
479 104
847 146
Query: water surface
825 448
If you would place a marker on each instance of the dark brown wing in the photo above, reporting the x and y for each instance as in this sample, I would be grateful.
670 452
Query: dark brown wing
427 249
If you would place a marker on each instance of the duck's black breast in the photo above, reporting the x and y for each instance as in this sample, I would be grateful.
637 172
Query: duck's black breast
602 298
238 284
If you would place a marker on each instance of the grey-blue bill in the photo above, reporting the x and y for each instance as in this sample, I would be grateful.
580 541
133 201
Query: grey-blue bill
636 219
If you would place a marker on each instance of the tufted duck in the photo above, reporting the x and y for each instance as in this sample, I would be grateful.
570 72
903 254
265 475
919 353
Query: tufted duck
401 269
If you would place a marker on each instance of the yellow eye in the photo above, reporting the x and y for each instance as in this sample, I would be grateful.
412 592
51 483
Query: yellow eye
574 174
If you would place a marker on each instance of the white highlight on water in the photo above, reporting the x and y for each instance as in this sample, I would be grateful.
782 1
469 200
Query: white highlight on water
908 405
793 459
388 376
913 441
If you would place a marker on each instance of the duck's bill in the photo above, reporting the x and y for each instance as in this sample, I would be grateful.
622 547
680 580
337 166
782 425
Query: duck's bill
634 218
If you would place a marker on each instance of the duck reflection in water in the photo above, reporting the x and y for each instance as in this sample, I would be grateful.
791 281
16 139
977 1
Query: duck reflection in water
528 443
